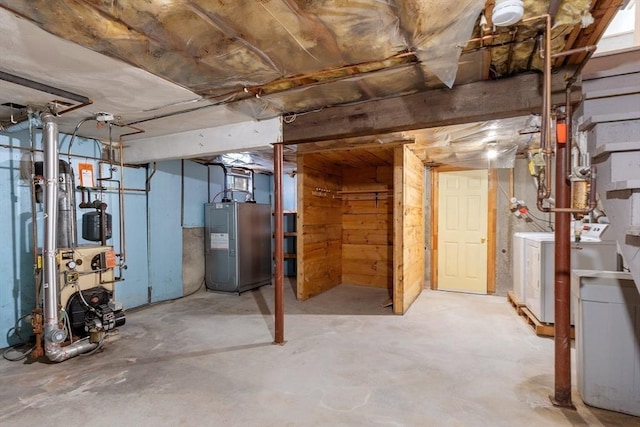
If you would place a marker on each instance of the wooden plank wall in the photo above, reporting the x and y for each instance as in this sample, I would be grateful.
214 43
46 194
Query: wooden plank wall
319 247
367 226
409 239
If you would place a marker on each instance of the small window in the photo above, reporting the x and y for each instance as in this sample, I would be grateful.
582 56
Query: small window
240 180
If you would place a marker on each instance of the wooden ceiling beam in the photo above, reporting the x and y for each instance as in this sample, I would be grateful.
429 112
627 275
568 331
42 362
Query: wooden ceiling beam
486 100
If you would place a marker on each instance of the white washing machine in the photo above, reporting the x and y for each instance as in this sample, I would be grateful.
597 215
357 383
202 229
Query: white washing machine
518 262
590 253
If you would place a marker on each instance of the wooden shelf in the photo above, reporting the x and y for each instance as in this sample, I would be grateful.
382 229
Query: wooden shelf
372 191
365 194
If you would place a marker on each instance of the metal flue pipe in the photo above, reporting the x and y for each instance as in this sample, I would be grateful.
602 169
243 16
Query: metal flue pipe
54 334
50 271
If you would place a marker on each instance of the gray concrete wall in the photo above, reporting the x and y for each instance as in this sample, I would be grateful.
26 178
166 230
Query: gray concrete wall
524 189
504 230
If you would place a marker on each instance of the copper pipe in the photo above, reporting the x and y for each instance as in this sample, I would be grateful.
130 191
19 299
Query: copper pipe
488 37
540 206
590 48
278 235
562 246
545 136
568 113
569 116
544 188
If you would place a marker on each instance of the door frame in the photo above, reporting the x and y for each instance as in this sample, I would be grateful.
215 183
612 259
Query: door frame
492 202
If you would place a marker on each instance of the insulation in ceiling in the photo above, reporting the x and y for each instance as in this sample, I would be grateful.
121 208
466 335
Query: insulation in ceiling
231 51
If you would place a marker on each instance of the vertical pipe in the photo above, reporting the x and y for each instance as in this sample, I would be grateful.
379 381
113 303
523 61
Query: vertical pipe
67 234
562 292
569 123
34 220
279 242
50 278
512 185
182 193
121 184
545 131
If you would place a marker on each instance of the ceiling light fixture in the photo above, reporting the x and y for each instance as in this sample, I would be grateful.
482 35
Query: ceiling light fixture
492 152
507 12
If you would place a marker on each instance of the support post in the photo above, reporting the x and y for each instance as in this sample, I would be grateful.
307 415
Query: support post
562 282
279 242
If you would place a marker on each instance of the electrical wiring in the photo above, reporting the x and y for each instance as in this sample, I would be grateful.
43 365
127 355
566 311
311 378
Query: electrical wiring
22 356
532 218
95 350
67 324
549 225
24 342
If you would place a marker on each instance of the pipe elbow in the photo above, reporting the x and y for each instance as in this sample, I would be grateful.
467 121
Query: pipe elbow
56 353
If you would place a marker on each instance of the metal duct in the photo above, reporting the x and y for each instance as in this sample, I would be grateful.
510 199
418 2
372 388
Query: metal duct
67 234
50 273
53 334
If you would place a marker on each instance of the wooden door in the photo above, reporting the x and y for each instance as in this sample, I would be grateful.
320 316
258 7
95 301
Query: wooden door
462 231
409 239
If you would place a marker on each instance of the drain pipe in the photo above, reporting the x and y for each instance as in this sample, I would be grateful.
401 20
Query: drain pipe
54 333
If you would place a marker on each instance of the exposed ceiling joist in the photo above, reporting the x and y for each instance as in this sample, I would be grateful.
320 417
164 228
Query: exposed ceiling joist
516 96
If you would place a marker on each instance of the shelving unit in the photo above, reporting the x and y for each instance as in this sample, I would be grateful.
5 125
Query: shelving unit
290 242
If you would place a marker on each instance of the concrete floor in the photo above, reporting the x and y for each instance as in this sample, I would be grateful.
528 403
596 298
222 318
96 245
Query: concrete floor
207 360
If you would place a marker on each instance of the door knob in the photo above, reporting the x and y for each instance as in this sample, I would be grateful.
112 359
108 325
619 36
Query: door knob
482 239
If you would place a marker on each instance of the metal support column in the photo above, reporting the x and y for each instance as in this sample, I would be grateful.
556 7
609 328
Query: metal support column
279 243
562 282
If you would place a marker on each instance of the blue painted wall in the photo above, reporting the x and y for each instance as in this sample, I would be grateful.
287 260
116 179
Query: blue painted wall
165 232
289 193
195 193
17 287
263 191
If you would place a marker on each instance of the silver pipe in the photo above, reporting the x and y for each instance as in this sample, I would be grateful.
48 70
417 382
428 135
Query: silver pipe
53 334
55 353
67 233
123 245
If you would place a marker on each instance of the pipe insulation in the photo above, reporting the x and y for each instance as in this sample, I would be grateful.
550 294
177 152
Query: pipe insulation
54 334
